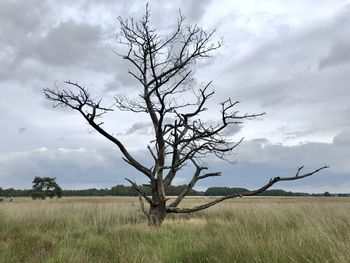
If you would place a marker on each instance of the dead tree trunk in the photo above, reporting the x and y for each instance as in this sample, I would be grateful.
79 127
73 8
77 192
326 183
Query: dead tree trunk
157 213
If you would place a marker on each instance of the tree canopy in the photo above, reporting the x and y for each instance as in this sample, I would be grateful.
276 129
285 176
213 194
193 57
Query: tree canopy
45 187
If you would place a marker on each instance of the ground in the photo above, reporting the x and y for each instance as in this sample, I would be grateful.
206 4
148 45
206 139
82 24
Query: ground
112 229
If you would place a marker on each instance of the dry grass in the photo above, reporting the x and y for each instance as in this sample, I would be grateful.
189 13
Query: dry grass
111 229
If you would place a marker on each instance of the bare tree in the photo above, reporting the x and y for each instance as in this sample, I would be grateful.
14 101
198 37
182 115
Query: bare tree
164 68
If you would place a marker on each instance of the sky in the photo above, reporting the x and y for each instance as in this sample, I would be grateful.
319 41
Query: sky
290 59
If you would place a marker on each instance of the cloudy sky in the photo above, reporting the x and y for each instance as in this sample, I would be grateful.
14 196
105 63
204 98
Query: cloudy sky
290 59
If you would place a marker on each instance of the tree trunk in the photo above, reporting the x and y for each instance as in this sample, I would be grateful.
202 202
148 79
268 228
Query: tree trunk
157 214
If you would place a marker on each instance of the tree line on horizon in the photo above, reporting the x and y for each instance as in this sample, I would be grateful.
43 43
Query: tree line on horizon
122 190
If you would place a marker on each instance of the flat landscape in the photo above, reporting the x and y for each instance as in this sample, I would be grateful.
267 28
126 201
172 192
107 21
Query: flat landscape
112 229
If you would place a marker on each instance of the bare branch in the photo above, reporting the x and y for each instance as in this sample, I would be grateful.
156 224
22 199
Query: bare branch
249 193
142 204
82 102
138 189
192 183
209 175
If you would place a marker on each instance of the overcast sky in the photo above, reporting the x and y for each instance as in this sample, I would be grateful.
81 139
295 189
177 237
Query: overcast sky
290 59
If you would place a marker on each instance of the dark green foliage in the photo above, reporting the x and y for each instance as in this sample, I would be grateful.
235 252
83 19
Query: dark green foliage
121 190
177 189
327 194
45 187
222 191
14 192
279 192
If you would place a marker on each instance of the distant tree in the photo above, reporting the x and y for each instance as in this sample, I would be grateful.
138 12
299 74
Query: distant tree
10 191
327 194
175 190
276 192
164 69
1 194
121 190
45 187
223 191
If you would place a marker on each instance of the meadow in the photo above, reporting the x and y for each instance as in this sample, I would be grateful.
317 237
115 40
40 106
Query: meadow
112 229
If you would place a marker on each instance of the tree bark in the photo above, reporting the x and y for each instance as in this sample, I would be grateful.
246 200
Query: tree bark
157 212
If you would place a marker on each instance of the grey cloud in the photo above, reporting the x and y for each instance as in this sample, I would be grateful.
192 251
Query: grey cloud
194 10
282 100
279 58
69 43
232 130
339 54
20 23
281 74
342 138
22 130
273 101
36 51
73 168
254 175
257 162
19 20
139 127
261 141
297 134
122 80
310 154
145 127
32 47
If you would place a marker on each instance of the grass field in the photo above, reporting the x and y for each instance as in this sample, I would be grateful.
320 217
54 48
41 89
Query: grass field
112 229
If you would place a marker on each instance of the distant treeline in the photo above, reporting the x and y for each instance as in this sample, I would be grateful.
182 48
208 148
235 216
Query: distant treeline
122 190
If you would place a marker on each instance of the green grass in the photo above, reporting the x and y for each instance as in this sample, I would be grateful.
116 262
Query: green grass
113 230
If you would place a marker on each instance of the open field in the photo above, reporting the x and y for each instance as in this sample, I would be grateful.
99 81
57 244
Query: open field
112 229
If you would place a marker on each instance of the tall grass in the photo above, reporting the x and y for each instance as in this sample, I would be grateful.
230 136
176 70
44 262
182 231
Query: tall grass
113 230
